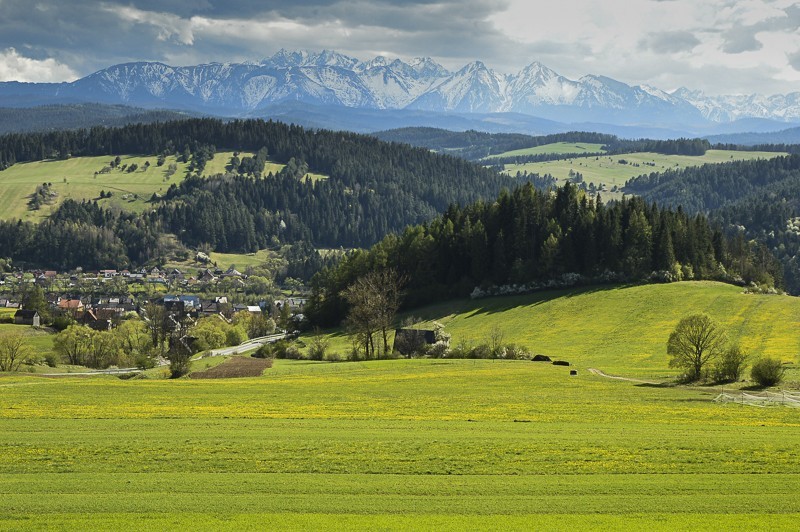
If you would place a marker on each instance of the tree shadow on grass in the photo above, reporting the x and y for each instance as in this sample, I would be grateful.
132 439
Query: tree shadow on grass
661 385
498 304
754 388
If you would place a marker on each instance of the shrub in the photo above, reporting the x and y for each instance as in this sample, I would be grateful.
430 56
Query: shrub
144 361
62 322
265 351
767 372
333 357
318 348
461 350
515 352
51 359
438 350
729 367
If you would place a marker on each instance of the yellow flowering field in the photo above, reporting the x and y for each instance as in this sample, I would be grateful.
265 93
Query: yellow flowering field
400 444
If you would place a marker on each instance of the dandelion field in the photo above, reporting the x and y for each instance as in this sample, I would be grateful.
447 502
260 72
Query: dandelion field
391 444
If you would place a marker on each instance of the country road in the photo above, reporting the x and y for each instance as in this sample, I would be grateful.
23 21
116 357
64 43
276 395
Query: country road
244 347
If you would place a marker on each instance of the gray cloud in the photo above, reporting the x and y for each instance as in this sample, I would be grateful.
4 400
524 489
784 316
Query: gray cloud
794 60
81 36
741 39
666 42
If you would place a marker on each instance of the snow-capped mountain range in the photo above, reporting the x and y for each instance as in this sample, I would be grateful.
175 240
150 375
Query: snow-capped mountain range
421 85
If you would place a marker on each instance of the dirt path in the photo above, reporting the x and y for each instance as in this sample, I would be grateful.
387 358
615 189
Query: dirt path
711 389
629 379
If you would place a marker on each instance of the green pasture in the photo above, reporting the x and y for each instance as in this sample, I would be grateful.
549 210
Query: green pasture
607 170
241 260
403 444
555 148
617 329
75 178
39 341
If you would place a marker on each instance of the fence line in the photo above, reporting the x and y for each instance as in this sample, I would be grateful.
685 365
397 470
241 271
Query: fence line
764 399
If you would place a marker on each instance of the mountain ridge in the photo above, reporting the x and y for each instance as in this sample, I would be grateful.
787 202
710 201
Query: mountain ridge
329 78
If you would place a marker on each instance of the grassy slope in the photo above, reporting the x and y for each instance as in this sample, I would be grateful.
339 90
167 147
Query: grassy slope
20 181
240 260
620 330
556 147
39 341
397 444
607 170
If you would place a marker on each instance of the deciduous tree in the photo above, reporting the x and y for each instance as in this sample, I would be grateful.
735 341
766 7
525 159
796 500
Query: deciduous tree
13 351
696 341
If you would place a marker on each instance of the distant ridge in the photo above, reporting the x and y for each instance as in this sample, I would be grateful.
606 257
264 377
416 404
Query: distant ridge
332 82
80 115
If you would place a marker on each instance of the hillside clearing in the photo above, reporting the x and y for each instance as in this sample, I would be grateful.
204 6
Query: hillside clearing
608 170
554 148
76 178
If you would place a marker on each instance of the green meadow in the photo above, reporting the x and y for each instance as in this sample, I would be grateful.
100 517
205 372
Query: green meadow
75 178
416 444
555 148
618 329
38 340
608 170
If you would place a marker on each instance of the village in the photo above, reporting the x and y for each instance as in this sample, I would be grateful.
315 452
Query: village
103 299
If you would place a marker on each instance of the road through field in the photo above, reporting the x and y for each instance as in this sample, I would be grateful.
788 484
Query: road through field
244 347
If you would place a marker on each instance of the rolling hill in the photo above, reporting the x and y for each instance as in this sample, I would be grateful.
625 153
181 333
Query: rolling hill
619 329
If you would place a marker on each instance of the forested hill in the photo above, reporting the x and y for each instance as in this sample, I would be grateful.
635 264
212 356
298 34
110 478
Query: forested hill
759 198
476 145
372 187
79 115
534 238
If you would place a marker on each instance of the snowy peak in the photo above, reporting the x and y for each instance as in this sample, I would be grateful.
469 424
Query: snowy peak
428 68
331 78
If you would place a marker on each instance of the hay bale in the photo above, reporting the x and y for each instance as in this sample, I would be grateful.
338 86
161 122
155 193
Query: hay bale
542 358
560 363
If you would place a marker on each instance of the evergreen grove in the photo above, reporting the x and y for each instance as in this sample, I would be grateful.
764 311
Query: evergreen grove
529 236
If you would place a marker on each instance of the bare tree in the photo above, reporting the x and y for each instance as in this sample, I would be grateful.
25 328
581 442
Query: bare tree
13 351
374 300
157 320
696 341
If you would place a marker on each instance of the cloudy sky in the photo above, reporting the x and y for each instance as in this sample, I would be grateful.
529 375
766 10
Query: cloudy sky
720 46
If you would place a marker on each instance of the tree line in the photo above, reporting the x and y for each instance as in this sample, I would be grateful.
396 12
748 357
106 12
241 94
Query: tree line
758 199
527 237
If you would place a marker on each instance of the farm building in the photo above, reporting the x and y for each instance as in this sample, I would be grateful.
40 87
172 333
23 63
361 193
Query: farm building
410 341
27 317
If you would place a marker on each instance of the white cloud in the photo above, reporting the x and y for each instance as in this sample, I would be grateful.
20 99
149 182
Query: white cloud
665 43
15 67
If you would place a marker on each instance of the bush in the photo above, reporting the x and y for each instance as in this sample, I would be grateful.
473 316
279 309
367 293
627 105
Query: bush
318 348
265 351
515 352
730 365
6 319
438 350
235 335
51 359
62 322
767 372
144 361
